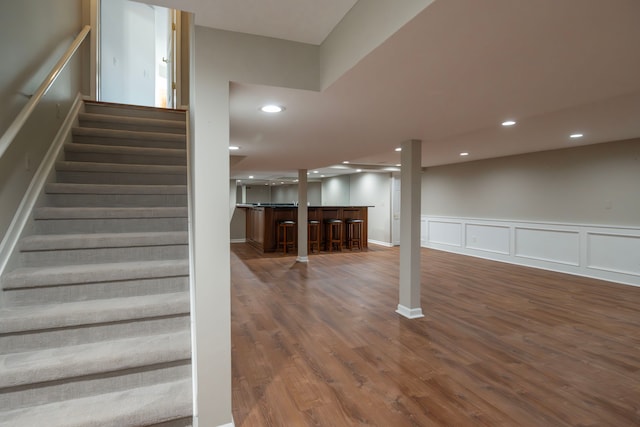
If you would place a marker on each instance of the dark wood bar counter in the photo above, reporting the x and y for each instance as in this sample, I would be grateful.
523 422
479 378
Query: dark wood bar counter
262 222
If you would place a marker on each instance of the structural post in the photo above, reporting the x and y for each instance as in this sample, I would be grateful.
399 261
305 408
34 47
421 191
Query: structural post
410 194
302 216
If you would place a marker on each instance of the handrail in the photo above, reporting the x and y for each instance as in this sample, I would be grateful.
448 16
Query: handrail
21 118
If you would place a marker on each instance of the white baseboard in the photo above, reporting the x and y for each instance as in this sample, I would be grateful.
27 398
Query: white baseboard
409 313
30 197
601 252
238 240
380 243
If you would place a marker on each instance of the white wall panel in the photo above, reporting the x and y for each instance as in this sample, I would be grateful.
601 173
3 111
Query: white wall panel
614 252
489 238
607 253
445 233
548 245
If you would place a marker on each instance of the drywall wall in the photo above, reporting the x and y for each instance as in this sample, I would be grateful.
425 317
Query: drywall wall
29 56
363 28
289 193
336 191
594 184
374 189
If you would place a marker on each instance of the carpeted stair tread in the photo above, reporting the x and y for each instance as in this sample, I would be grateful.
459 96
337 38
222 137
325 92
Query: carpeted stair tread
74 188
125 150
142 406
129 134
49 242
93 273
132 121
52 316
20 369
120 168
47 213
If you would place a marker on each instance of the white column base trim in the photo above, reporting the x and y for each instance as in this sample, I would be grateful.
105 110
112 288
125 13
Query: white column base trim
238 240
302 259
409 313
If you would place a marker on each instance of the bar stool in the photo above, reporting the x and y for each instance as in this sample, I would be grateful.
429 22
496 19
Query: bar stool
282 238
354 233
334 233
313 233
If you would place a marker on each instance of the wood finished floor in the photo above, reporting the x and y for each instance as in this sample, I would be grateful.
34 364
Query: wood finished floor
500 345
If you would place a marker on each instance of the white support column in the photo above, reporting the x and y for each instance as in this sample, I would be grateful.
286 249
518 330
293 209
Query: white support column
410 194
302 216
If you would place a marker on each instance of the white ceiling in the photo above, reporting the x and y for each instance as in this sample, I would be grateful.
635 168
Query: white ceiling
305 21
449 77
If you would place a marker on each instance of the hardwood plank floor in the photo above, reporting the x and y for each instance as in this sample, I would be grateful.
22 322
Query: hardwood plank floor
500 345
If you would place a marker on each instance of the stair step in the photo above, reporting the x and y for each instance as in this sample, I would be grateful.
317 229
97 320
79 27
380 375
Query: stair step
109 195
97 248
128 138
145 124
56 242
20 369
61 284
37 327
53 316
124 154
126 110
65 220
143 406
93 273
51 213
117 189
114 173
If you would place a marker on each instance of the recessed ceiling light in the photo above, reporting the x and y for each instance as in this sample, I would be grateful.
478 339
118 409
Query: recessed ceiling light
399 149
239 180
281 182
250 176
464 154
271 108
398 164
576 135
321 176
234 147
508 123
358 170
315 171
346 162
266 184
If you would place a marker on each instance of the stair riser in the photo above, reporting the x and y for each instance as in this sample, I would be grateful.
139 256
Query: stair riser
71 226
89 291
127 159
91 256
84 334
55 391
96 124
135 112
81 177
129 142
116 200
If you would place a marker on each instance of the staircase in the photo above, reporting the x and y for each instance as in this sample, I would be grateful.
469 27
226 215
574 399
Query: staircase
94 315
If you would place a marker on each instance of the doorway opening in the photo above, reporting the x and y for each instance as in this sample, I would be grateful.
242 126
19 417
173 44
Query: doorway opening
137 54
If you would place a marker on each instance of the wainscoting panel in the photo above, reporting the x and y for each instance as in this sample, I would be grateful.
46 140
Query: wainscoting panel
489 238
607 253
559 246
614 252
445 232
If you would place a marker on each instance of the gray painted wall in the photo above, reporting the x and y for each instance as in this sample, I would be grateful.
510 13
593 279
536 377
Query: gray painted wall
595 184
336 191
374 189
33 36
